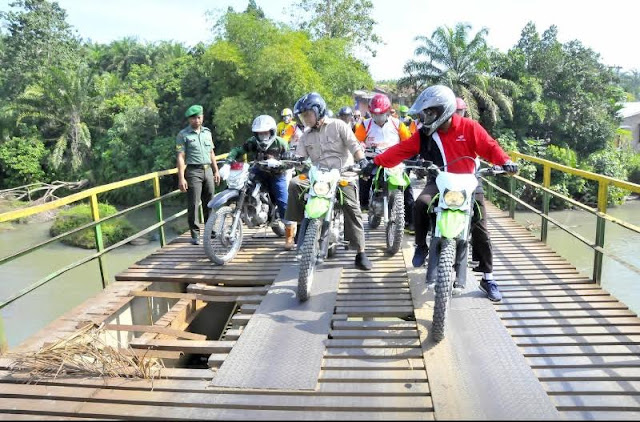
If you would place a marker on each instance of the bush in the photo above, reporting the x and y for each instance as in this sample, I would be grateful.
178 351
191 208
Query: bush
113 231
608 162
633 168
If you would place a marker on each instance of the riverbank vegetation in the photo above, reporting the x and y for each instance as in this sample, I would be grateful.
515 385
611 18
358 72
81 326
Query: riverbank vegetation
113 230
73 109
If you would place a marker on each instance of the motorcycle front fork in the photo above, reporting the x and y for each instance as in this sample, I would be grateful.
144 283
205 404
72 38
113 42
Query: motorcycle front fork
237 215
460 266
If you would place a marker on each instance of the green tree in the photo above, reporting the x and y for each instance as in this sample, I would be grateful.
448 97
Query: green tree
568 96
20 161
38 38
60 103
256 66
630 81
347 19
454 59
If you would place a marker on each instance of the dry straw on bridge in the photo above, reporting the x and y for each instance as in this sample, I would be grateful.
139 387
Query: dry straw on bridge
86 354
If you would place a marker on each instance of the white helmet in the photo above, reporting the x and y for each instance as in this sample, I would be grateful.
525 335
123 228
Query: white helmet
264 123
439 97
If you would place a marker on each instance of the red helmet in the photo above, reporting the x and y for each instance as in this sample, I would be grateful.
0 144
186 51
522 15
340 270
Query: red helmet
379 104
460 104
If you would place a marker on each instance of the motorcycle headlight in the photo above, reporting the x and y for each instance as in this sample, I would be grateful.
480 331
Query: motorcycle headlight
321 188
454 198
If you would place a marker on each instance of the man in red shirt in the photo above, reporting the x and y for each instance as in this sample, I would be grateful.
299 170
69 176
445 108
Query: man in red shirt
443 138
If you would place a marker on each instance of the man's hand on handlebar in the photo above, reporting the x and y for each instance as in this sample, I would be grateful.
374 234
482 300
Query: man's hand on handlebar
510 167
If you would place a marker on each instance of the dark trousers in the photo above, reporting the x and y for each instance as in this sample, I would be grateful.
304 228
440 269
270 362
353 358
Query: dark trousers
480 240
365 187
201 187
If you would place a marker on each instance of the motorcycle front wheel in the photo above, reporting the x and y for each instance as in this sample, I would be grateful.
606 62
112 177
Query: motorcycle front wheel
220 245
444 287
309 254
395 226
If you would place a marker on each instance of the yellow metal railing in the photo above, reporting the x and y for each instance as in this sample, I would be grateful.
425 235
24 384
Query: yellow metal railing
91 195
600 212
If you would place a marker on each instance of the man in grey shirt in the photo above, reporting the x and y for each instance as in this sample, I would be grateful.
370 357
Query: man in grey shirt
330 143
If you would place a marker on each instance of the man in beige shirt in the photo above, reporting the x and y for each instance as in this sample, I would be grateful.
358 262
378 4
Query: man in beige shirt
330 143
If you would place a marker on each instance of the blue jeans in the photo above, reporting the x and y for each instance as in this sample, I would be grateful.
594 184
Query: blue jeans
276 185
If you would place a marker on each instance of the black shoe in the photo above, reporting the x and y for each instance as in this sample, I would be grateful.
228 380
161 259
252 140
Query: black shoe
362 262
491 289
409 229
420 255
195 241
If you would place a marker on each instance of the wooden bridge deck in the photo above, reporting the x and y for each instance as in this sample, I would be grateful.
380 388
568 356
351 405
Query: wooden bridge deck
579 342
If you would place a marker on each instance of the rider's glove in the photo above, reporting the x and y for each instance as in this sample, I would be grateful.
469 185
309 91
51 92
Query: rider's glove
289 155
273 163
510 167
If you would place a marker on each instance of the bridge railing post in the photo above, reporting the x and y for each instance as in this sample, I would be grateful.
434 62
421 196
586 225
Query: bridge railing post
546 198
156 193
512 201
603 186
95 214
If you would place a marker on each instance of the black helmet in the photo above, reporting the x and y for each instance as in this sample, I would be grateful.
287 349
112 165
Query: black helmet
312 101
345 111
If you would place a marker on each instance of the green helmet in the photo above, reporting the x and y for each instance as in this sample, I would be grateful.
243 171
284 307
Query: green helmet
403 109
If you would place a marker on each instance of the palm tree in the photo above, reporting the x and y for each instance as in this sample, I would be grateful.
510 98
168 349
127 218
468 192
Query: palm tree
463 65
60 102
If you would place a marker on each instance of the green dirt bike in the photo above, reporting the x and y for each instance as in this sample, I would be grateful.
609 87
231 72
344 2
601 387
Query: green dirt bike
322 229
386 201
453 207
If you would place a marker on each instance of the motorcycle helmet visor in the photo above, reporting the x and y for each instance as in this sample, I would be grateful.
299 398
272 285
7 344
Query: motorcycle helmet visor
429 115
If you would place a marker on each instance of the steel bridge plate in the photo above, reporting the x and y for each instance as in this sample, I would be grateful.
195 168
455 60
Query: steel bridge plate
287 334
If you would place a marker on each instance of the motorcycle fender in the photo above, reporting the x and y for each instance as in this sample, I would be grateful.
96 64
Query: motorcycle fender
451 223
317 207
398 180
222 198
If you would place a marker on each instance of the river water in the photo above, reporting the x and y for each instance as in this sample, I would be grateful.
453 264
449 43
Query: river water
617 279
30 313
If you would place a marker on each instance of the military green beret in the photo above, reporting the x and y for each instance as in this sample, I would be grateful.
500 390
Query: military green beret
194 110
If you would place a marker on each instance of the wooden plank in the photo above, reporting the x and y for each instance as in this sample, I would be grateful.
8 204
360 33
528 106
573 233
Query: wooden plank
574 322
131 411
390 311
373 364
583 339
234 399
556 299
155 329
366 343
186 346
339 375
535 307
361 334
373 353
575 330
374 325
587 374
599 386
601 361
583 313
580 350
372 303
226 290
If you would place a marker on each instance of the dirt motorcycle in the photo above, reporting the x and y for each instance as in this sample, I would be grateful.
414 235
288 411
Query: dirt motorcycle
246 200
450 234
386 201
322 229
